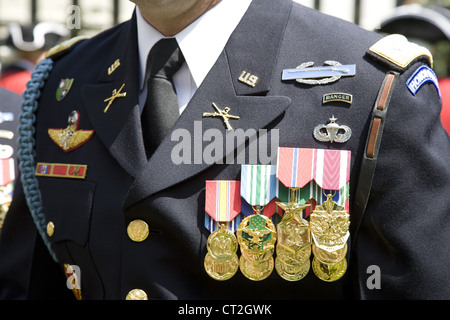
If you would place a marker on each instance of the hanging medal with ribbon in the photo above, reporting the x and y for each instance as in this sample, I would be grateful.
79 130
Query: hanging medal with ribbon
329 228
223 205
294 239
325 175
320 177
256 233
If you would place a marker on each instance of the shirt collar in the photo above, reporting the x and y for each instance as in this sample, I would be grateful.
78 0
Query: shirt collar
201 42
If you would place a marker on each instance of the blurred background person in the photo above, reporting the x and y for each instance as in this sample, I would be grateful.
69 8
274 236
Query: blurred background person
428 26
9 120
29 44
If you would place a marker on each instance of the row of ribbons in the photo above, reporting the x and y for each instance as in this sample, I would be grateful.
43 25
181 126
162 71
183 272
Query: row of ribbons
305 184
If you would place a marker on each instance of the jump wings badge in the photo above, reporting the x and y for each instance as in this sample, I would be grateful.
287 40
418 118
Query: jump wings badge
332 132
70 138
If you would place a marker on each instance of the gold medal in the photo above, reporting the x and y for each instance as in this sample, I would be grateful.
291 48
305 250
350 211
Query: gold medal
221 269
258 256
290 256
329 272
329 257
256 233
292 272
256 271
222 244
329 223
221 261
256 236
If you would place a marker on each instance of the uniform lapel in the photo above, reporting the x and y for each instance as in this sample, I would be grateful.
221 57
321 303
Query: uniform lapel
223 87
119 128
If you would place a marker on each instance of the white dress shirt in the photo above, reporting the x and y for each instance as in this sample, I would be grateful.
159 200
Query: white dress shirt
201 43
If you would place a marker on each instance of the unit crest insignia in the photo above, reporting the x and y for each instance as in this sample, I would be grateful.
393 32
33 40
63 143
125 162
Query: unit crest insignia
70 138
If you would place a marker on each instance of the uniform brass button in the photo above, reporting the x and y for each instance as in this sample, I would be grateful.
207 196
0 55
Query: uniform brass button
50 228
136 294
137 230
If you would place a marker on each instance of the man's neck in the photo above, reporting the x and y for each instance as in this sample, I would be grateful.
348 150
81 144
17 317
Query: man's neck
171 19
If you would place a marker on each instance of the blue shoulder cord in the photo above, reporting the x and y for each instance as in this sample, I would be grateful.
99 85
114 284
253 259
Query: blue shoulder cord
27 142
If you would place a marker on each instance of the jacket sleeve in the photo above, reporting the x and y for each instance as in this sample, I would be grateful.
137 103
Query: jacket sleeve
405 231
27 270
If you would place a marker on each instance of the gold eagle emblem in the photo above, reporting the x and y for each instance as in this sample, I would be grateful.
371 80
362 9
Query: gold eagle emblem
70 138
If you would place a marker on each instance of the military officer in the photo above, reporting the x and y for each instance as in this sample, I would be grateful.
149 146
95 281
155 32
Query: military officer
121 211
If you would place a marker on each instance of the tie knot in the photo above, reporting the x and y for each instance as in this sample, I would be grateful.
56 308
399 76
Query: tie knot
165 58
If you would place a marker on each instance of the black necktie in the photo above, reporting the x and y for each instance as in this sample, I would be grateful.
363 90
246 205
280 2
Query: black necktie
161 109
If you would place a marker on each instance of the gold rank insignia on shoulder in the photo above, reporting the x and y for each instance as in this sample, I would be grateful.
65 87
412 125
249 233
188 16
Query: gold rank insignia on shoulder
64 45
70 138
63 88
398 50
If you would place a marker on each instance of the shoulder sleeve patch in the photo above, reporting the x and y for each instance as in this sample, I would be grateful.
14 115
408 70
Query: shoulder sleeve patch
398 51
421 76
63 46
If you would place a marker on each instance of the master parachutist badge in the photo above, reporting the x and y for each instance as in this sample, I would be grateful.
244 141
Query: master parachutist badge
332 132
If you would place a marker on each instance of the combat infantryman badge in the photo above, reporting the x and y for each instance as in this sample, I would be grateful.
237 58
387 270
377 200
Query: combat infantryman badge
63 88
331 72
332 132
70 138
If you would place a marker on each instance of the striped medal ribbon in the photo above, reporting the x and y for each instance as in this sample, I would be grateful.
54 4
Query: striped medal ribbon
258 188
312 173
222 204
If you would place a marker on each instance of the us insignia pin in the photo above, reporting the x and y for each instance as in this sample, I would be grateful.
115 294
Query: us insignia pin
70 138
332 132
113 67
63 88
331 72
248 78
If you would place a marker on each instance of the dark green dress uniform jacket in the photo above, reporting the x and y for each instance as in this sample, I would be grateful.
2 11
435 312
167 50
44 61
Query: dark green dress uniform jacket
405 230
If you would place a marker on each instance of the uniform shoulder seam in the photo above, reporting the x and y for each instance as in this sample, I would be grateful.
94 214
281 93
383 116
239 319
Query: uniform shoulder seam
64 47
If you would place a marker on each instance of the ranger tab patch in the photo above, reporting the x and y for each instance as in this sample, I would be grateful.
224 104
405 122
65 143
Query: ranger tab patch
421 76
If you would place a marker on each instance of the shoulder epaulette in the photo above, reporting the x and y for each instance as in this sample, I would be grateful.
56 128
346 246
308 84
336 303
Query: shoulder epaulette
396 51
63 47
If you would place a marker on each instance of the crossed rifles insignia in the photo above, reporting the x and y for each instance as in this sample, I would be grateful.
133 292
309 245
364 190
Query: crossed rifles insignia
222 113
